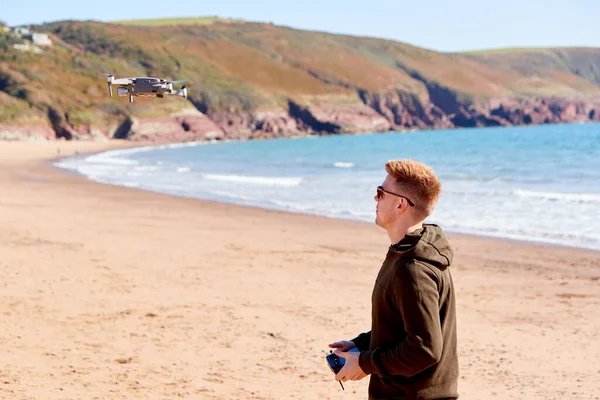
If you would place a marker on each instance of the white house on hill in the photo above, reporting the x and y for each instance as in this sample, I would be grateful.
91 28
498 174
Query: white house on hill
41 39
21 30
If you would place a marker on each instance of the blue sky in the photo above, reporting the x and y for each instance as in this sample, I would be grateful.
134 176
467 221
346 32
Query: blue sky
435 24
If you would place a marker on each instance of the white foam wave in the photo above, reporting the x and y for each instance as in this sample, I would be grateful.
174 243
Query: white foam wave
467 177
186 144
580 198
94 171
552 196
324 211
109 159
570 240
114 154
66 164
492 178
342 164
257 180
230 195
144 168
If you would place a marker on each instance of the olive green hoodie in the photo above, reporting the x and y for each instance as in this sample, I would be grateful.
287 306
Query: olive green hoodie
411 350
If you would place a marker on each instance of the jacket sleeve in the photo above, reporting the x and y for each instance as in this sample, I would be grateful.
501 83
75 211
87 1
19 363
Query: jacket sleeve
363 341
416 297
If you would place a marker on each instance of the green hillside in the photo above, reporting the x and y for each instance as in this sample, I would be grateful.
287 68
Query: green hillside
238 67
556 64
176 21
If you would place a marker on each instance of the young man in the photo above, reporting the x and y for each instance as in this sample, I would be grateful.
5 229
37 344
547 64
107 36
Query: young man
411 350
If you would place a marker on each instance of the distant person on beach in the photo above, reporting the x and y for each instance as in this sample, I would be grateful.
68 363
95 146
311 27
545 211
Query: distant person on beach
411 350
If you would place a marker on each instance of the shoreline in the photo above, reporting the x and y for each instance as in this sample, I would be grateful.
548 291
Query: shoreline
139 294
151 146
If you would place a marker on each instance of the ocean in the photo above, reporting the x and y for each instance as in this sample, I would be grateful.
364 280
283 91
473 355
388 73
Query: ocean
535 183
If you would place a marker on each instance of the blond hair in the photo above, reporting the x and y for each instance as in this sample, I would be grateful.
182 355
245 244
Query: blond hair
418 182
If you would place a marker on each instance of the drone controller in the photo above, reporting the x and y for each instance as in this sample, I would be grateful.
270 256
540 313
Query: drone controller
335 363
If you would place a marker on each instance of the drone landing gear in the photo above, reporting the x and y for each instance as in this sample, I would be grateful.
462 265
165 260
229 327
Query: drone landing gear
131 98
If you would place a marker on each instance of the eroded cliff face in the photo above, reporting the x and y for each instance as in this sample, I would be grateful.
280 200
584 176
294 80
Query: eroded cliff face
404 110
27 132
371 112
187 125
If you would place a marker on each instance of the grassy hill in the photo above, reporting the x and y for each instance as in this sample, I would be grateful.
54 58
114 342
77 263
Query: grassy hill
237 66
551 63
176 21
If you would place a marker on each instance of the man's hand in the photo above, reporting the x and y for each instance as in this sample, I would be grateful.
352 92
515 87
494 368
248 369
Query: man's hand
343 345
351 371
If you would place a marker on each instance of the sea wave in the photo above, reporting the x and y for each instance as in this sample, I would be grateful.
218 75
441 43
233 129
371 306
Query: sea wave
144 168
332 212
67 164
587 241
342 164
492 178
104 158
567 197
593 198
256 180
116 154
231 195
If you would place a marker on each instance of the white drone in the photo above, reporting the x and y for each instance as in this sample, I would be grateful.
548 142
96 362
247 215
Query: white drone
144 87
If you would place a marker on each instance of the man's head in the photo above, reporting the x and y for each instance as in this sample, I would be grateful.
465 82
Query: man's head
408 194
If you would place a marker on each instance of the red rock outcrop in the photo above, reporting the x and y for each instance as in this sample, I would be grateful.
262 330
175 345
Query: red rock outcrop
351 118
257 124
27 132
186 126
379 112
405 110
527 112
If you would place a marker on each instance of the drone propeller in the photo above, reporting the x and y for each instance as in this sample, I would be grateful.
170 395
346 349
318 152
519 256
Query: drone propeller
173 82
123 81
110 79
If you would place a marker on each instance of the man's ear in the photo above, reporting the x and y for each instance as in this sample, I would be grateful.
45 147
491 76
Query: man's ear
401 206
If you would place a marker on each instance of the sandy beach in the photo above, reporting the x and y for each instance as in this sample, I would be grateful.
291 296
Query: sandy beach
114 293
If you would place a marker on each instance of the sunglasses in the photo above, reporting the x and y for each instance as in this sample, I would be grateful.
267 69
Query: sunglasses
381 191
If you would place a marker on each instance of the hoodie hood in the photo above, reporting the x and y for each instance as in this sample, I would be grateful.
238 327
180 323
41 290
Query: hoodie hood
428 244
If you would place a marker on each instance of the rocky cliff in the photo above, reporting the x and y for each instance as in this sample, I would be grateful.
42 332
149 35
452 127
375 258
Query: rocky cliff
377 113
